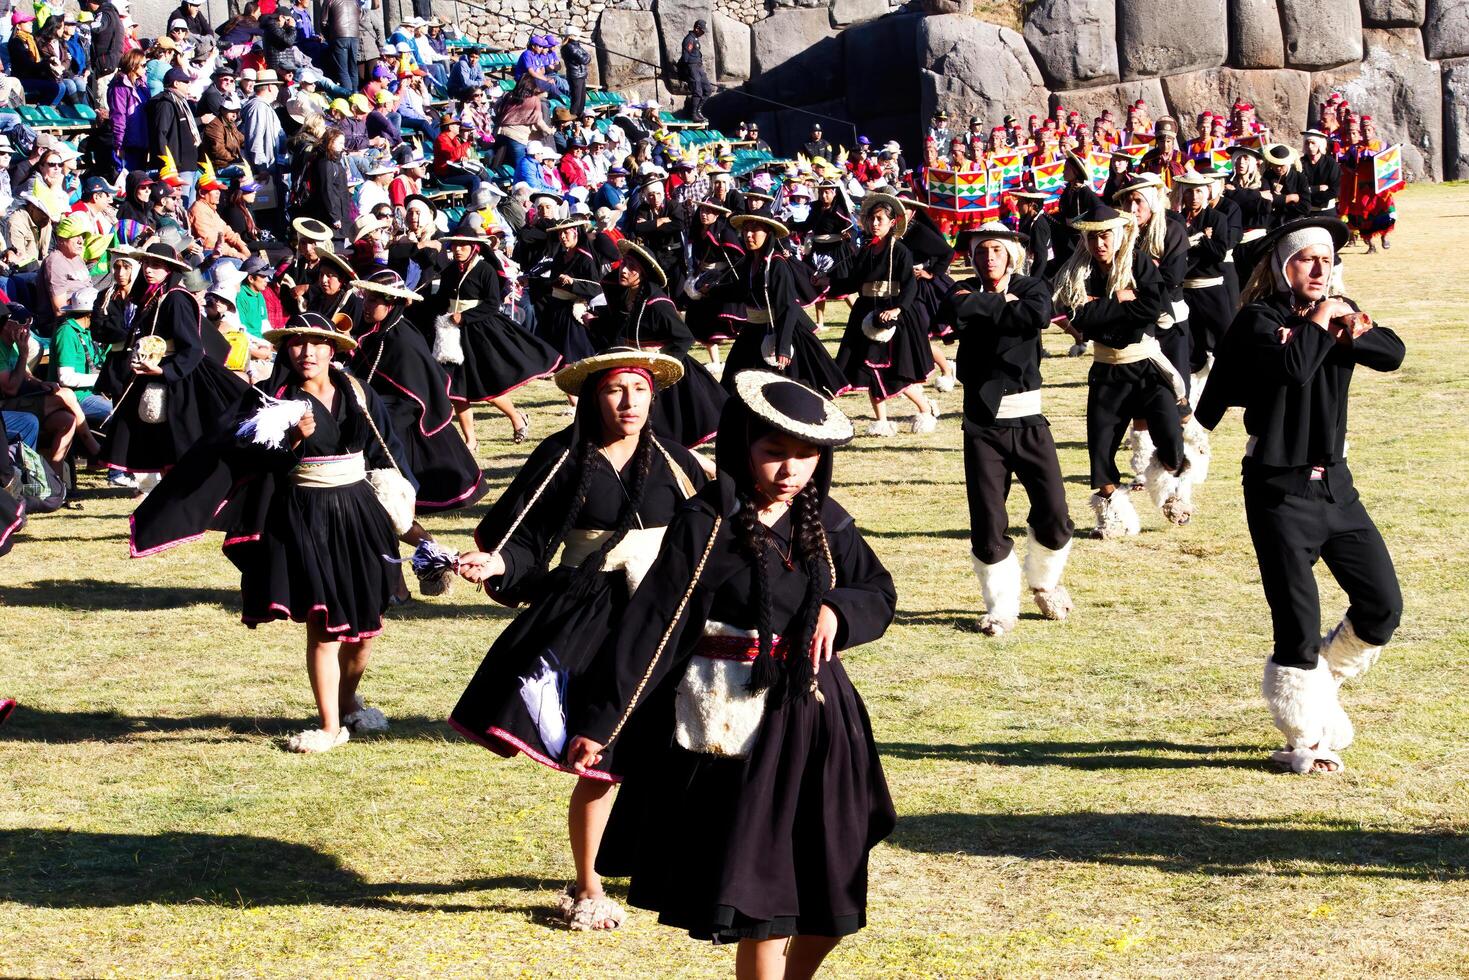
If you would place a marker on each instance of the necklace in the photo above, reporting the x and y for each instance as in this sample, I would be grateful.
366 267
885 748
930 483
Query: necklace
787 557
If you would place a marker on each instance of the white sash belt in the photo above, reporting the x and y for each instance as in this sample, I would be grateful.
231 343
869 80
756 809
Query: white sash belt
756 315
1019 405
1252 235
1146 349
1229 255
1203 283
330 471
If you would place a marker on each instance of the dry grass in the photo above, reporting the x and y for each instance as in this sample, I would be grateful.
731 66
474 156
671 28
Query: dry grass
1087 798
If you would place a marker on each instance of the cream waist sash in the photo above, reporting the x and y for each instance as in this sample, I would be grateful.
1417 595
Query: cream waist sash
1146 349
633 555
754 314
1019 405
1252 235
1203 283
329 471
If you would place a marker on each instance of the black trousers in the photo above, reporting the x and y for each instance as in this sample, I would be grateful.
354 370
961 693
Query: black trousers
1119 393
995 456
1210 312
1325 520
578 86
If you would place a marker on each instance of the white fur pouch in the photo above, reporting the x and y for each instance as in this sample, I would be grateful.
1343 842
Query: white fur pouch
877 333
767 350
448 342
153 405
714 713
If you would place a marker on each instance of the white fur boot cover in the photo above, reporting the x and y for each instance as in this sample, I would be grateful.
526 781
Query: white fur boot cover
1172 493
1043 568
1196 382
1116 516
999 584
1142 452
1305 708
1196 447
1347 654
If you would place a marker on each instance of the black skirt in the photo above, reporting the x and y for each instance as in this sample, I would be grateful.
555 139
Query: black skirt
499 357
772 845
447 475
688 413
711 321
325 551
556 325
810 364
929 308
195 406
884 369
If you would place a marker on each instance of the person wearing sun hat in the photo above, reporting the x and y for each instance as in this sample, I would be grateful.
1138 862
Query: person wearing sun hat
1322 173
1113 294
639 314
999 315
1205 291
827 234
772 287
170 394
1246 189
331 292
570 282
294 468
1291 197
660 227
488 355
1288 361
763 577
932 254
884 349
395 359
607 486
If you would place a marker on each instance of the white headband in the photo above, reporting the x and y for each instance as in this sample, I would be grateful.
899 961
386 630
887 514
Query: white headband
1290 244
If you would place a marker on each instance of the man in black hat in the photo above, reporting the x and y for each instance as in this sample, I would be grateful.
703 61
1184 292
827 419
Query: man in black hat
818 145
221 90
756 143
1288 360
691 70
578 62
172 129
938 130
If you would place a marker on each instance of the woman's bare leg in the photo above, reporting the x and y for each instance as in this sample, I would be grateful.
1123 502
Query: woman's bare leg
352 664
761 959
805 955
586 820
324 668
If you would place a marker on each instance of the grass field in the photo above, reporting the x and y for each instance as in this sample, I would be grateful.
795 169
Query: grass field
1086 798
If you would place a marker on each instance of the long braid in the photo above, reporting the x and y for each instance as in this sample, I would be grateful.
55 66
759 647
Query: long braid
586 458
809 541
642 466
750 534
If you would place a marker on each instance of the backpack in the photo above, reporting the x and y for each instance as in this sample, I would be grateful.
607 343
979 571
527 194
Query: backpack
41 488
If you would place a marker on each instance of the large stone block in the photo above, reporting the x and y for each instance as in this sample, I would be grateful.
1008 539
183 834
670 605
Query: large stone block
797 57
937 7
1165 37
1393 13
628 32
892 43
675 19
1280 97
1321 33
1446 28
845 13
1074 41
732 47
1255 36
972 68
1091 101
1401 90
1456 119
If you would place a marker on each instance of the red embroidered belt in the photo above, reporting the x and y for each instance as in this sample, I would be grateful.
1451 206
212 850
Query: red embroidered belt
745 648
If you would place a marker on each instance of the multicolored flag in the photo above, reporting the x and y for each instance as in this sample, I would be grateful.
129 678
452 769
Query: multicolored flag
1050 178
1099 165
1387 170
964 194
1135 150
1007 171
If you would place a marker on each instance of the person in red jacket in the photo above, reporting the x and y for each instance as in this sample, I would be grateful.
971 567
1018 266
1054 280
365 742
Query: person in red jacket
451 152
572 169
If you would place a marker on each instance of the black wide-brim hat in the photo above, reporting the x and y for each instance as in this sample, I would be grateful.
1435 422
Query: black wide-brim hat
1266 244
791 407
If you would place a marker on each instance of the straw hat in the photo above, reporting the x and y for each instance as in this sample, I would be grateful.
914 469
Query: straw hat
900 222
313 325
626 247
340 264
665 370
386 282
1101 218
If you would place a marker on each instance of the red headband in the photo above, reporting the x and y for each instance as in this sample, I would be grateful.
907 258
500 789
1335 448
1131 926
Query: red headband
643 373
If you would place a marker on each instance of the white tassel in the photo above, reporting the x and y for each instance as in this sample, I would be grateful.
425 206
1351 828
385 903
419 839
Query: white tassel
448 342
268 426
1196 447
1142 451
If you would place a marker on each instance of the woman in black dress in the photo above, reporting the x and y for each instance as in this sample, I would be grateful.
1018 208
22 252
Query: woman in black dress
826 236
638 315
170 394
606 487
572 283
753 819
487 354
393 357
776 333
332 292
932 255
885 347
716 250
301 522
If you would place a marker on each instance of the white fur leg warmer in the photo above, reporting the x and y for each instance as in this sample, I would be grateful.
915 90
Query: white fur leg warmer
999 584
1196 448
1196 382
1043 568
1142 453
1347 655
1305 708
1116 516
1172 492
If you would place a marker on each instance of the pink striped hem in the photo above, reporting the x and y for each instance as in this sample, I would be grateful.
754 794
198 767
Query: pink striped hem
20 518
533 753
444 505
285 613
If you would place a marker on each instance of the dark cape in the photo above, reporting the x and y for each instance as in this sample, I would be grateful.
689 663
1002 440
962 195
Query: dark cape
556 321
883 368
499 355
300 550
688 412
932 253
567 617
711 320
774 843
396 361
200 395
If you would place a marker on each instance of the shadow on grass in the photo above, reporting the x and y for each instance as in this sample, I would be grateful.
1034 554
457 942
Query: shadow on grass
1121 754
66 727
1190 844
81 869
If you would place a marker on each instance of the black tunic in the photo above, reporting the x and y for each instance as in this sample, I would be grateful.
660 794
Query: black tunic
1209 306
301 551
499 356
883 368
1288 183
570 627
394 358
556 321
1043 258
716 247
688 412
827 231
771 287
200 397
1000 345
1322 179
775 843
664 241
